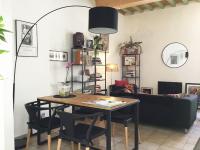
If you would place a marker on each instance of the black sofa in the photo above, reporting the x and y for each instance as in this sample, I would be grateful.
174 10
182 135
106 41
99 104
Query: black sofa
165 110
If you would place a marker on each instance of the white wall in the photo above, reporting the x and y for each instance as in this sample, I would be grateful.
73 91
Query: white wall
38 76
158 28
6 69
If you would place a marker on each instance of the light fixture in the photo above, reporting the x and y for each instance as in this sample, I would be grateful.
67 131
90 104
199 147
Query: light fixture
103 20
112 68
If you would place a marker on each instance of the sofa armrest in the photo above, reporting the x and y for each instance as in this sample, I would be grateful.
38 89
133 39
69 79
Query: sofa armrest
186 110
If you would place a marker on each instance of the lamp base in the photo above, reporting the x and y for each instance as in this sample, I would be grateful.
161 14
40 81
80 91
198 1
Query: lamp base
20 143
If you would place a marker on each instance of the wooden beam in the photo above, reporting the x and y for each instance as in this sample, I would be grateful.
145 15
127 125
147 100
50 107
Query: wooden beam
160 5
121 4
148 6
121 11
172 3
137 8
185 2
130 10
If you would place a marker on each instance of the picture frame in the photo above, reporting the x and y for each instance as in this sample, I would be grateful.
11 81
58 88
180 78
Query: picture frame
129 60
89 44
58 55
105 42
147 90
29 47
192 88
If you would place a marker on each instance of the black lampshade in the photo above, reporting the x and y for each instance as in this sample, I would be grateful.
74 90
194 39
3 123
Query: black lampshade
103 20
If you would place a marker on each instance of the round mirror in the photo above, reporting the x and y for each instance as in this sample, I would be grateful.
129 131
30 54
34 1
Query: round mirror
175 55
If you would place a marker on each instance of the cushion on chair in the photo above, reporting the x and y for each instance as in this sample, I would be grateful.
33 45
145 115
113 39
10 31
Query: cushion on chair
44 122
80 132
123 118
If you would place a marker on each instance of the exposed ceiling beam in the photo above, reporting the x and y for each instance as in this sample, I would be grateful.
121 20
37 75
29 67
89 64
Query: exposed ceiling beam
131 10
137 8
172 3
160 5
148 6
122 11
121 4
185 1
128 11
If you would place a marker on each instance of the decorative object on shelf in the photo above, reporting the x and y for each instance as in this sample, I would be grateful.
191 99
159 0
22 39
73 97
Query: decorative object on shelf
29 47
67 66
175 55
130 73
130 47
81 78
2 38
77 56
58 55
78 40
129 60
97 77
89 44
105 42
112 68
147 90
96 60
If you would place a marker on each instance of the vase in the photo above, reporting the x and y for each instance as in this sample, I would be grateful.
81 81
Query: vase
64 89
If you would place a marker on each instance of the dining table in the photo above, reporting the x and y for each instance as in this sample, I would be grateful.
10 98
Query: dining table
90 101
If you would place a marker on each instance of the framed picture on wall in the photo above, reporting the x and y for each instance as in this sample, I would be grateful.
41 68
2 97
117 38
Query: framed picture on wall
147 90
58 55
192 88
29 47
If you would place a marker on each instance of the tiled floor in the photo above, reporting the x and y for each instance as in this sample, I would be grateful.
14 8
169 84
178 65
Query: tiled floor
153 138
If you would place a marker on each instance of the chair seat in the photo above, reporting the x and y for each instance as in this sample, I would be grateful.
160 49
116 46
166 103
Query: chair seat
44 123
80 133
123 118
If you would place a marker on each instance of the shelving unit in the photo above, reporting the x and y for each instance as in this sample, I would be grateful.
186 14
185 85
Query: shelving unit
134 67
82 66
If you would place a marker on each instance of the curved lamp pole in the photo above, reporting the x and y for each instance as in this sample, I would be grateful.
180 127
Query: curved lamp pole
102 20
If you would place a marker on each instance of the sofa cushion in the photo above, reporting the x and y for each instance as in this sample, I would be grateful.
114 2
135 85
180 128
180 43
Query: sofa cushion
122 83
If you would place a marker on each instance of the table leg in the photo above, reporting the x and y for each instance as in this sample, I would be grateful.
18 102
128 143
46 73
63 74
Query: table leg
38 132
108 130
136 121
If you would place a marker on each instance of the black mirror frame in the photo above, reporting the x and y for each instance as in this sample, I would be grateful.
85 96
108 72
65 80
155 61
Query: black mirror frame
187 53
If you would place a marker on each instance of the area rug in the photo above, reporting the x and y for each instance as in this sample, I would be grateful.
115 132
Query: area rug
197 146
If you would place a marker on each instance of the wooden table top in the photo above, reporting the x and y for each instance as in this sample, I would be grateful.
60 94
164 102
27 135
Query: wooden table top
82 99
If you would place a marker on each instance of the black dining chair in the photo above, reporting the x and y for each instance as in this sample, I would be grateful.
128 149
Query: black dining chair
124 117
42 124
83 134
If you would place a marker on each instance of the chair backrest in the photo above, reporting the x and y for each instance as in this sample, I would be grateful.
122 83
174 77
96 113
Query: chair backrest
33 111
68 121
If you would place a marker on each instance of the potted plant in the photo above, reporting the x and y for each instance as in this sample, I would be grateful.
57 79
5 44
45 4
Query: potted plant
97 46
130 47
2 38
64 88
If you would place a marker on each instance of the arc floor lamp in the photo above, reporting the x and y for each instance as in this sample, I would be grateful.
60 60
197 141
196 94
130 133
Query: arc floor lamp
102 20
